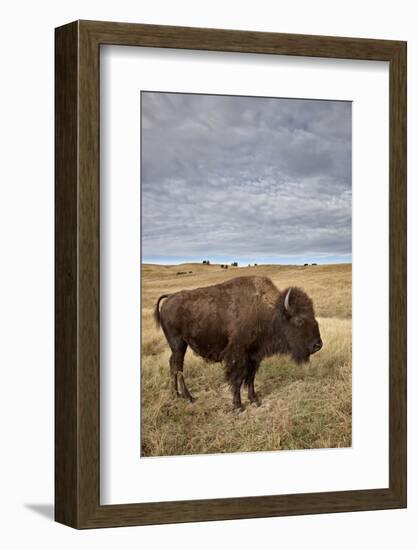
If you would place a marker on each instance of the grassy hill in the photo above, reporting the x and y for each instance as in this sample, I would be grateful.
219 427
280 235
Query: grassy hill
302 406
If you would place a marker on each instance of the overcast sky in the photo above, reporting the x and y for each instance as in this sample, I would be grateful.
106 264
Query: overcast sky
262 180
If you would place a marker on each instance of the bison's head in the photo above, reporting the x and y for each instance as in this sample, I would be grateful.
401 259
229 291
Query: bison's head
299 324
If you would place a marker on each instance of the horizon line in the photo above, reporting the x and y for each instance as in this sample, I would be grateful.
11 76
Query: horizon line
244 264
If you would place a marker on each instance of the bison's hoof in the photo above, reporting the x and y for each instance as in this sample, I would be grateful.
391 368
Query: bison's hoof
188 397
238 408
257 402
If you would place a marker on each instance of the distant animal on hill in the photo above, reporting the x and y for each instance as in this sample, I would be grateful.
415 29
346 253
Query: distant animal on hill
238 322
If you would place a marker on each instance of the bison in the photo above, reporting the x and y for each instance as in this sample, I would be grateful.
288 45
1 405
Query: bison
238 322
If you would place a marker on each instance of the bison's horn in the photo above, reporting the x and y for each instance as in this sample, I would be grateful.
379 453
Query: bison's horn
287 300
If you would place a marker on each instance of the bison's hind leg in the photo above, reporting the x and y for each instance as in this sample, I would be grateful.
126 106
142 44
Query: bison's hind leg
176 363
174 377
183 388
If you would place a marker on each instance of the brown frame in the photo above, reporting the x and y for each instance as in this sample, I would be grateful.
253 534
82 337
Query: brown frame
77 358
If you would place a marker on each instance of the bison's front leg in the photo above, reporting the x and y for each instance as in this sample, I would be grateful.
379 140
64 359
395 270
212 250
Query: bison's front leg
237 401
253 398
237 363
236 372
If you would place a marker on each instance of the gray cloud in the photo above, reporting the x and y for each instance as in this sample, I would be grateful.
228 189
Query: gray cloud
245 177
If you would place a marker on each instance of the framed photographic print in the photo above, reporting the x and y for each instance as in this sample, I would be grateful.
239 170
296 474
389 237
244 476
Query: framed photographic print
230 274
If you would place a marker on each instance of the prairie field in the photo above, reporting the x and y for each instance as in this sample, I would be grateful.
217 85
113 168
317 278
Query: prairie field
303 407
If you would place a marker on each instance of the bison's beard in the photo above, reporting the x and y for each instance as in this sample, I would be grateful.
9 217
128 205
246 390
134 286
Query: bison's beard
300 356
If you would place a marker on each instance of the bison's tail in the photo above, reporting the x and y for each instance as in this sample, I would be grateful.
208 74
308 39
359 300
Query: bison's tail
156 313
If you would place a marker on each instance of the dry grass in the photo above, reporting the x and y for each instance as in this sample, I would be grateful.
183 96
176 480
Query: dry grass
302 407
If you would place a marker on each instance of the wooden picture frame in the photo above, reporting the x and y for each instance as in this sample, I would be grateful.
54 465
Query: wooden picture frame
77 359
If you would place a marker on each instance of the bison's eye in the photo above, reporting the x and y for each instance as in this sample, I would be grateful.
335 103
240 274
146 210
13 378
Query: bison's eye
298 322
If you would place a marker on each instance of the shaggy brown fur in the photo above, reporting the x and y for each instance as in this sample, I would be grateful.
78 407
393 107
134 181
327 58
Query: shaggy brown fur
238 322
